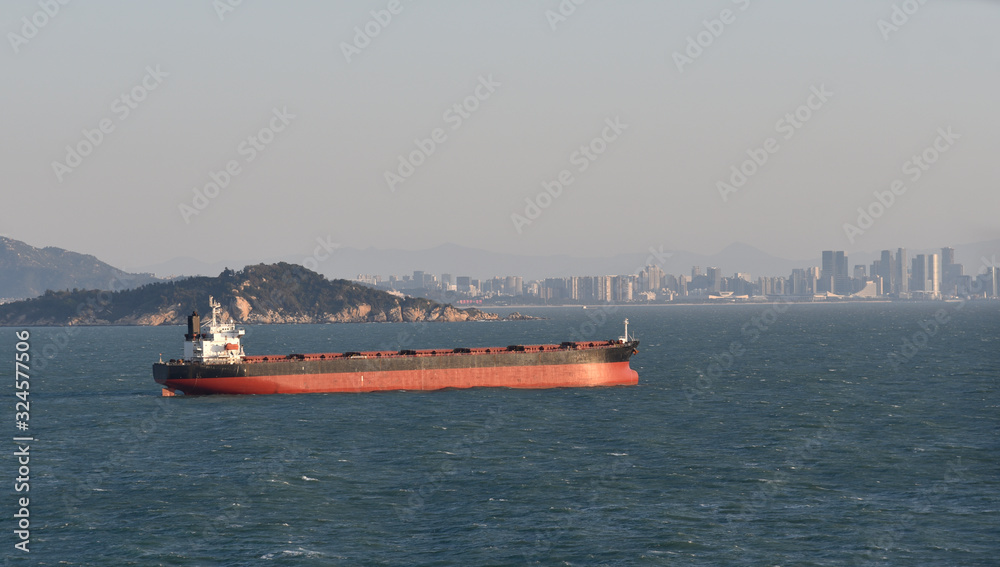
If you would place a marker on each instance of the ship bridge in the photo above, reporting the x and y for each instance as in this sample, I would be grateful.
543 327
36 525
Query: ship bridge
221 344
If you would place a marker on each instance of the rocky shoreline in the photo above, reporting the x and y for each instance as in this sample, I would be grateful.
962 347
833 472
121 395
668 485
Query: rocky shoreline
239 311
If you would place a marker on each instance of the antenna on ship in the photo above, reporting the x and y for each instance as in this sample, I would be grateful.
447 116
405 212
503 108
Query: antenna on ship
624 338
214 306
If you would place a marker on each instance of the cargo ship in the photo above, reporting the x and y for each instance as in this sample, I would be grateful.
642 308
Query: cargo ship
214 363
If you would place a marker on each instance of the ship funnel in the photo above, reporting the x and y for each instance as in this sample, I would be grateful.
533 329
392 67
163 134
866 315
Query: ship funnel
194 326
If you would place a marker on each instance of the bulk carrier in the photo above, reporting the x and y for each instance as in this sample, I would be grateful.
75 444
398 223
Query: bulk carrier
214 363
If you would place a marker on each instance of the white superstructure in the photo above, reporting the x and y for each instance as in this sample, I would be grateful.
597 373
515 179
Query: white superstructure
220 345
626 338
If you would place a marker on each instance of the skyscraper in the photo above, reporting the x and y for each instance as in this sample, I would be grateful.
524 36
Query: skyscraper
926 274
508 285
947 257
901 274
951 272
934 273
798 283
602 288
655 275
951 277
834 277
842 282
887 272
826 275
715 279
918 273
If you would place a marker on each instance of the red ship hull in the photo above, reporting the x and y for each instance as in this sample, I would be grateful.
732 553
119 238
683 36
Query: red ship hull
538 366
580 375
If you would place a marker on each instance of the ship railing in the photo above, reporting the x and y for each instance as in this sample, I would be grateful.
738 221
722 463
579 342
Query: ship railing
569 345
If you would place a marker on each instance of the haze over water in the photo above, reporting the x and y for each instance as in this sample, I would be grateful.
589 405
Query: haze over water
806 449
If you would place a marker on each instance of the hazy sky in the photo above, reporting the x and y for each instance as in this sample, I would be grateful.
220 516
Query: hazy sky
339 110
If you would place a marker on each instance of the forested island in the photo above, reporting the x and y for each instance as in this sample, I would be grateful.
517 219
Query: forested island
263 293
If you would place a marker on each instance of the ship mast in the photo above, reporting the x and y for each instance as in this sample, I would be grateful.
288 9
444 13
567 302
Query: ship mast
215 308
625 338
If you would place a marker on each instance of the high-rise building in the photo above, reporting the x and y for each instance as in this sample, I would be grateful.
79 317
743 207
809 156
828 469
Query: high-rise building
951 273
554 288
947 257
925 275
602 288
826 275
918 273
879 286
922 273
951 278
586 289
798 282
842 283
780 286
715 280
886 271
621 288
670 282
834 277
654 277
804 281
934 273
901 274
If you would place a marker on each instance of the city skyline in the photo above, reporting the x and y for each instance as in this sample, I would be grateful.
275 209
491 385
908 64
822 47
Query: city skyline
895 275
335 261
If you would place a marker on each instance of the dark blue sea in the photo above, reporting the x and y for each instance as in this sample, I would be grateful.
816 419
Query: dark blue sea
758 435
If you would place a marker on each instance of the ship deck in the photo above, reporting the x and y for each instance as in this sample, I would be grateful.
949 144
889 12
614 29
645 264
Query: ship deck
407 353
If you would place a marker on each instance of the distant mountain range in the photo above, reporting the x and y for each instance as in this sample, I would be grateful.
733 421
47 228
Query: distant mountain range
348 263
26 271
